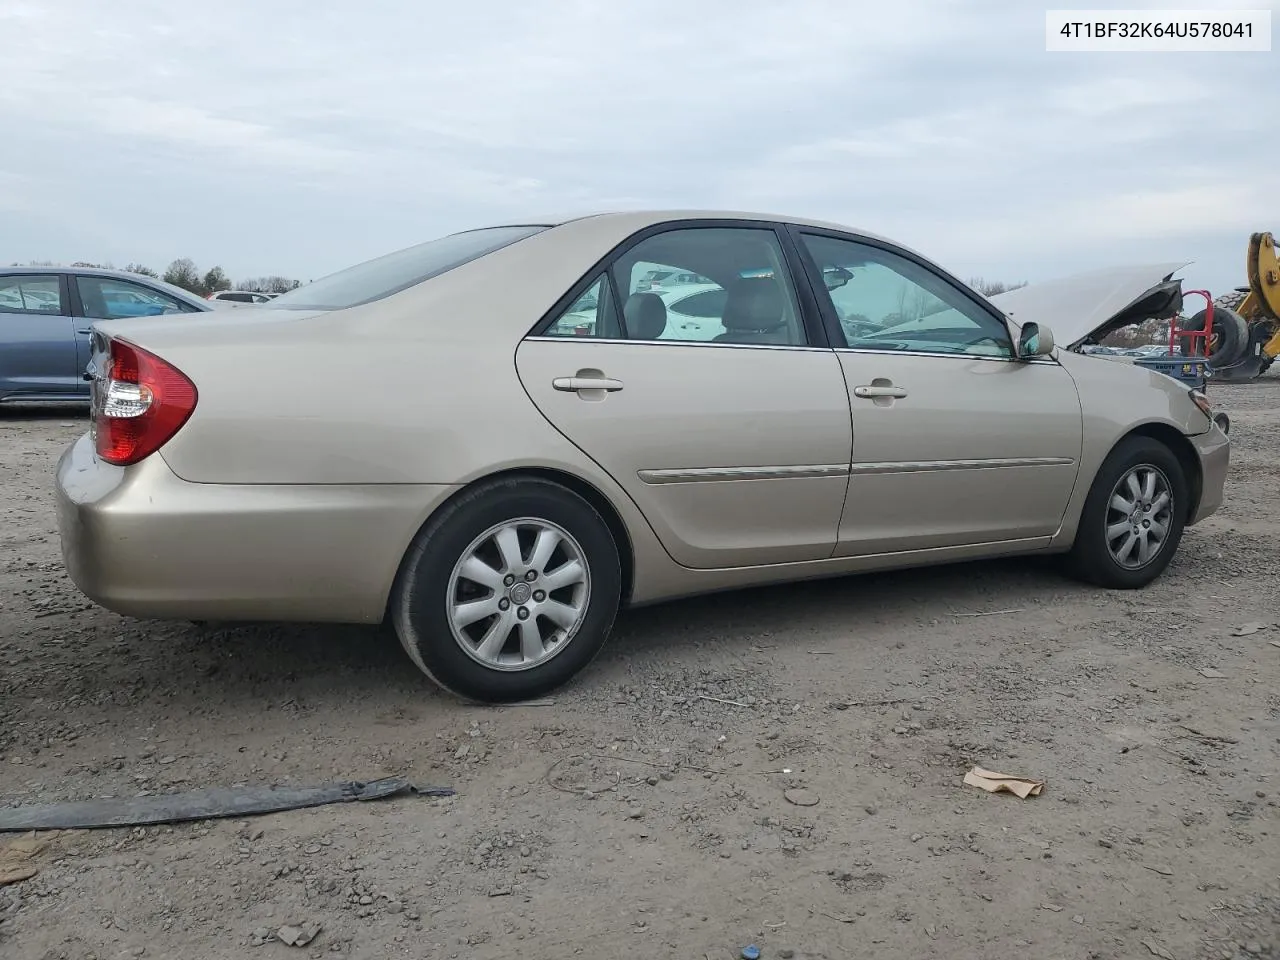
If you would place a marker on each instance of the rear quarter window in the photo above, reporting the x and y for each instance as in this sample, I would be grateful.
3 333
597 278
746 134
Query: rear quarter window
385 275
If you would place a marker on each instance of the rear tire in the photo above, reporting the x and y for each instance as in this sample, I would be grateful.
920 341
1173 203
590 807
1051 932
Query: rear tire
509 591
1119 517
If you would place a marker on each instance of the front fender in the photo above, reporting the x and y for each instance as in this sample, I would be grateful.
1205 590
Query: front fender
1116 400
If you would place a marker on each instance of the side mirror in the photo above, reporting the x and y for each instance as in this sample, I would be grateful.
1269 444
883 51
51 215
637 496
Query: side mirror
1035 340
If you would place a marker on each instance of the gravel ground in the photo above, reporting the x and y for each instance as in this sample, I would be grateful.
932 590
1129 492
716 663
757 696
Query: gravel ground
645 811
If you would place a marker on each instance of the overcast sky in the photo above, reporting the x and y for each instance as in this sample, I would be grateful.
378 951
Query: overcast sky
297 137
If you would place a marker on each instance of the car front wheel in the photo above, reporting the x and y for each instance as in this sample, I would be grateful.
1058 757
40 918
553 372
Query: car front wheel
509 591
1133 517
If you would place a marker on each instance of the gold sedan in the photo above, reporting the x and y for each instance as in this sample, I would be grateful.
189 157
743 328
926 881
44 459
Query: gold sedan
497 439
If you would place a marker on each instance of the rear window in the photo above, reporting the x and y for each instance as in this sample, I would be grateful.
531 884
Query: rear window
383 276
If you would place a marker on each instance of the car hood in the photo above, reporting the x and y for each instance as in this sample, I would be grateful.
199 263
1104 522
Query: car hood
1087 306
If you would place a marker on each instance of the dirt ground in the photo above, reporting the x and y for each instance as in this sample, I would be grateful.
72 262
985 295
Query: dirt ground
642 814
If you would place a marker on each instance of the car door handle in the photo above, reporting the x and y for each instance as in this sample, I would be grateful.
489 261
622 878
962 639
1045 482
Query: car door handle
574 384
86 330
867 392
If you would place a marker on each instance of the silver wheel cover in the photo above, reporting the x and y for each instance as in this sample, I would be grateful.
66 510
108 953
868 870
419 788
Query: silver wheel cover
518 595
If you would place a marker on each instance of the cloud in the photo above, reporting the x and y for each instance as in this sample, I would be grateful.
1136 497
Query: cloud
294 137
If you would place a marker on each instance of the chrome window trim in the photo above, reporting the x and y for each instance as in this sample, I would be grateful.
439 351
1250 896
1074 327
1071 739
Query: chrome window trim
807 348
940 355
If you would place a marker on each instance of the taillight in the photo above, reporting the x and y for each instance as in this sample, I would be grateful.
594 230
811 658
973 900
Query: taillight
140 402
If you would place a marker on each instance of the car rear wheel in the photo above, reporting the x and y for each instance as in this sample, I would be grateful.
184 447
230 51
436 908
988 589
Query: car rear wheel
509 591
1133 517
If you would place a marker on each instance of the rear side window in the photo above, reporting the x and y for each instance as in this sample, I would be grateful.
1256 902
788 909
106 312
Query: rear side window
383 276
709 303
28 293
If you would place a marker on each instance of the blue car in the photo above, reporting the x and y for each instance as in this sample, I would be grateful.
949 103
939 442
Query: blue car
45 319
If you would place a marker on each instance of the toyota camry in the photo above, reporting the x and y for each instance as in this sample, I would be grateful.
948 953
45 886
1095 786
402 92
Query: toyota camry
493 441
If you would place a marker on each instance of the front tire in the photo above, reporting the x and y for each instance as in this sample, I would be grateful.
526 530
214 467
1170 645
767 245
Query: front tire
510 591
1133 517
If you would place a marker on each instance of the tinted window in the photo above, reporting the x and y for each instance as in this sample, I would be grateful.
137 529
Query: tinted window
383 276
105 298
29 293
886 302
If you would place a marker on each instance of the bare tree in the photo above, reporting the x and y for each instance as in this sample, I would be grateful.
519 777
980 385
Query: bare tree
184 273
912 303
271 284
989 288
1139 334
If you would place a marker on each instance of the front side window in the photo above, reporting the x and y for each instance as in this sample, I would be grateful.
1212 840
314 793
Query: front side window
385 275
105 298
30 293
886 302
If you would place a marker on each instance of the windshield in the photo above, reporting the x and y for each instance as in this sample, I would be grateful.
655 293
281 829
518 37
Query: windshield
383 276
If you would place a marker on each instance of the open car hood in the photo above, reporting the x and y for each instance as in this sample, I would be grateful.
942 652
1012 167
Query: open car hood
1086 307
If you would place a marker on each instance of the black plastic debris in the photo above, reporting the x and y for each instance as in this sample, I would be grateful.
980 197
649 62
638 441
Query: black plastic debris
206 804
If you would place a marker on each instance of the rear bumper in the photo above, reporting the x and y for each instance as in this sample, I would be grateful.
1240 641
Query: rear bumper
1214 450
145 543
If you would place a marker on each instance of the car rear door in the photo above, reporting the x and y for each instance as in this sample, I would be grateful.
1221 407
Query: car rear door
37 339
105 297
736 449
956 442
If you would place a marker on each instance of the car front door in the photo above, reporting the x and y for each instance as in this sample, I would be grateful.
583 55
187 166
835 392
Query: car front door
37 339
734 444
956 442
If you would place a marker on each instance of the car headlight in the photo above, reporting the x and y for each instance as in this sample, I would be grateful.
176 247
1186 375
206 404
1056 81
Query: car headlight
1221 419
1201 401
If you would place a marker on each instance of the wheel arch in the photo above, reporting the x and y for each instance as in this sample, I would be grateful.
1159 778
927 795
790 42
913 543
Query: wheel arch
1180 446
571 482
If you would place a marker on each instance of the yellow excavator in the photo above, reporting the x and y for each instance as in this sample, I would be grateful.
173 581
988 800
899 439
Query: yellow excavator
1254 311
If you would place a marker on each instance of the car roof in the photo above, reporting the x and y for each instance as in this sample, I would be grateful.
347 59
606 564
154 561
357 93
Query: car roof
146 281
89 271
650 217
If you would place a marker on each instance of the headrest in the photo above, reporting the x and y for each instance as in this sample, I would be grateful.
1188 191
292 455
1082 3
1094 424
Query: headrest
645 315
754 304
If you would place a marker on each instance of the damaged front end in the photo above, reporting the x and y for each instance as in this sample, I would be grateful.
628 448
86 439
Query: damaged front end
1083 309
